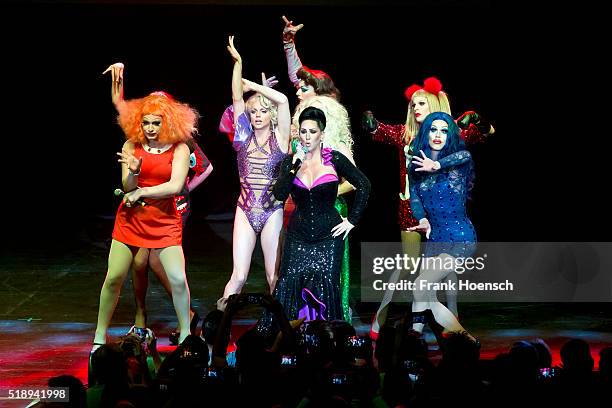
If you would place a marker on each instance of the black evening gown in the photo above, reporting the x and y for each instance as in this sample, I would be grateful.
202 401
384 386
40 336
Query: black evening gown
312 258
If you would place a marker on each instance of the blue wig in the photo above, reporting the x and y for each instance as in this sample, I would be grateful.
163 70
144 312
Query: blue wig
454 143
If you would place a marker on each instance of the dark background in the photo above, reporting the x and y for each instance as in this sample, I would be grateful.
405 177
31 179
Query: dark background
531 71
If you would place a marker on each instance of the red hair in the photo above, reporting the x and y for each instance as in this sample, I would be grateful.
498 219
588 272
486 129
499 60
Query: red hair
320 81
179 120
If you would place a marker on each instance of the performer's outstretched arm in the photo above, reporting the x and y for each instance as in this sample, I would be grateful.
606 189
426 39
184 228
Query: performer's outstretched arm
237 92
382 132
116 71
293 60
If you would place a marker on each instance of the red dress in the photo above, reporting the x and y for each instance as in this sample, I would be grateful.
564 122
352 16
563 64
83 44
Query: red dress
157 224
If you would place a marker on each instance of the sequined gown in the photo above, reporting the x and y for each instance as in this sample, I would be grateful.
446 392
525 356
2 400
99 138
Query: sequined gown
441 197
312 258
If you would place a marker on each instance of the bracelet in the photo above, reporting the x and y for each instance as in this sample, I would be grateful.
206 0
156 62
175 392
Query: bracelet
132 173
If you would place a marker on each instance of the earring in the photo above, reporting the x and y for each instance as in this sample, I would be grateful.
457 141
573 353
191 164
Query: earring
321 151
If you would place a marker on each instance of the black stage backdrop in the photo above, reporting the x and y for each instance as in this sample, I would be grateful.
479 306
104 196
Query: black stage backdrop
540 177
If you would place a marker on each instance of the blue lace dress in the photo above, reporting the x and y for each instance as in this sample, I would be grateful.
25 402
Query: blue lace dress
441 197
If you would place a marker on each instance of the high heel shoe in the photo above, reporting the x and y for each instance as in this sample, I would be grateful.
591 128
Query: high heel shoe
174 335
91 380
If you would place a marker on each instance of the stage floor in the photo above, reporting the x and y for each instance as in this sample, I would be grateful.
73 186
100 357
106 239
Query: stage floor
49 303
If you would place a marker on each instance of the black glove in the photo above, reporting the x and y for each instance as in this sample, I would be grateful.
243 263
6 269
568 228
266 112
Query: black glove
368 122
471 117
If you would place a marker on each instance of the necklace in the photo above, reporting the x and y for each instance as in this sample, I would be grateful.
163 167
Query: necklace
159 149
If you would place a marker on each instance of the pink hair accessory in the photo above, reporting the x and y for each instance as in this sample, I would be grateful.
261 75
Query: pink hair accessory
162 93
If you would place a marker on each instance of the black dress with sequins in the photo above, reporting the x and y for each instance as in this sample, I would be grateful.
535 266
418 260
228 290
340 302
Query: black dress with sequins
312 258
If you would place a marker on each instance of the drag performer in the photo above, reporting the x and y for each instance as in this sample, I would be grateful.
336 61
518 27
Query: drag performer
266 118
320 86
309 282
421 101
441 176
154 166
199 169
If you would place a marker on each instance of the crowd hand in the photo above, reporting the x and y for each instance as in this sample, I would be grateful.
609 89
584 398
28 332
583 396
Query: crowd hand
343 228
233 51
235 302
423 226
268 82
133 164
294 324
290 30
116 71
426 163
368 122
221 304
132 197
151 342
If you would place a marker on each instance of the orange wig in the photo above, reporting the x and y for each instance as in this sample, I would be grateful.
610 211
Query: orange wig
179 120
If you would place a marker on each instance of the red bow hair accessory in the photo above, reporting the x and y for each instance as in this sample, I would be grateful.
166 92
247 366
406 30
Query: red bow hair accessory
431 85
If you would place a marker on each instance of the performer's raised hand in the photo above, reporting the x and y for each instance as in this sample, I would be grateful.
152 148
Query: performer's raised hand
269 82
343 228
290 30
426 163
424 226
233 51
116 71
133 164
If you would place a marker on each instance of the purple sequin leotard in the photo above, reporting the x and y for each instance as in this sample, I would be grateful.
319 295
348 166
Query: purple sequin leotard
258 168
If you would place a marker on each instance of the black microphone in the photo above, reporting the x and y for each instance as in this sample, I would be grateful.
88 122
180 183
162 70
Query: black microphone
119 193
